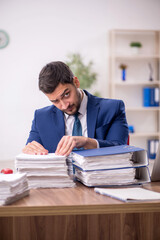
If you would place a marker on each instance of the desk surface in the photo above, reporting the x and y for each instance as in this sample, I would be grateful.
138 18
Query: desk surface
76 201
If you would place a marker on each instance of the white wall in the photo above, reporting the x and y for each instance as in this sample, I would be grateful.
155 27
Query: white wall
47 30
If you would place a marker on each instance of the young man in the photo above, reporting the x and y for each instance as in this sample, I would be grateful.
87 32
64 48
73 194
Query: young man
102 121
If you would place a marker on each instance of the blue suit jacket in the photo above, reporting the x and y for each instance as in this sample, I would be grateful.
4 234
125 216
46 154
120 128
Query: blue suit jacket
106 122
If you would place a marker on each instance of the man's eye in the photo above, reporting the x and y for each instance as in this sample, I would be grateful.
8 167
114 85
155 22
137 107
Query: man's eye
54 101
66 94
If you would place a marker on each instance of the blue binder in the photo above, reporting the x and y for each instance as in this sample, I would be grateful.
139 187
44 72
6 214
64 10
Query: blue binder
150 97
108 150
146 97
100 161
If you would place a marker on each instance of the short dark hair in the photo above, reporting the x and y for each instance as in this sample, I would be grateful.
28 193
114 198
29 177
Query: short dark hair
52 74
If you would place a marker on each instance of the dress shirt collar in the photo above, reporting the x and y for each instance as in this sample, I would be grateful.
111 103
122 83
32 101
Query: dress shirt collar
83 106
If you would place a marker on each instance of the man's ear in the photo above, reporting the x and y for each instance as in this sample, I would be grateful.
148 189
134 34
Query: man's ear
76 82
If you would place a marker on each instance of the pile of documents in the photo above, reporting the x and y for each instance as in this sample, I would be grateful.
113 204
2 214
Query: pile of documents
106 177
69 161
117 165
103 162
44 171
13 187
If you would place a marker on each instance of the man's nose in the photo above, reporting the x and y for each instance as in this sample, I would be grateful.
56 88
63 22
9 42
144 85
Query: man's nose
64 105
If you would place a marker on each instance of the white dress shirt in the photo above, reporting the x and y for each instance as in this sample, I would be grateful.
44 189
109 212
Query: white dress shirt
69 119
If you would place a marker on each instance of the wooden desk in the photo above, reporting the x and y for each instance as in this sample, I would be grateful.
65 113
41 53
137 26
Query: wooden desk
79 213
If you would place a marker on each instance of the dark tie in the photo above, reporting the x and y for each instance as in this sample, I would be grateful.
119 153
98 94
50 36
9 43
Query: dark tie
77 131
77 127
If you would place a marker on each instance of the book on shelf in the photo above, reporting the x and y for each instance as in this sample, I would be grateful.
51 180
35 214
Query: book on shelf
150 96
44 171
152 148
129 194
13 187
117 165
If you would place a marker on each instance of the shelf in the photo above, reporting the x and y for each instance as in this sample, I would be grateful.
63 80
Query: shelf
137 135
145 109
134 31
140 67
125 83
136 57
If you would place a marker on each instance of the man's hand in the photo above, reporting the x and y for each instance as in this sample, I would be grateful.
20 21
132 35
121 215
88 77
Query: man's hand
35 148
68 143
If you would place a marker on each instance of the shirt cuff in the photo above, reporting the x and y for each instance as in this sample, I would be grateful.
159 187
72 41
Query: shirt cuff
97 143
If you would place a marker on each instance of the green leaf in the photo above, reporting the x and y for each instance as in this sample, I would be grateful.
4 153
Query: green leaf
82 71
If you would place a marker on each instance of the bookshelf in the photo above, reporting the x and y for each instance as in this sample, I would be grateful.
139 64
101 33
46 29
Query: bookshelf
140 67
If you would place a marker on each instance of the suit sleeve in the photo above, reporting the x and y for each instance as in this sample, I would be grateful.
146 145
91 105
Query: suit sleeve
117 132
34 133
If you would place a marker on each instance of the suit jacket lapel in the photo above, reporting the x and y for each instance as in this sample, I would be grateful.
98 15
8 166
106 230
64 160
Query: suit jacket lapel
92 111
59 123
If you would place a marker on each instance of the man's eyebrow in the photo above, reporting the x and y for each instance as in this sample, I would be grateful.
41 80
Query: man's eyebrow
61 95
64 92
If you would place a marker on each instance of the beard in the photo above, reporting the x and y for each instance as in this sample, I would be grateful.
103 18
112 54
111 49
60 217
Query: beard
73 108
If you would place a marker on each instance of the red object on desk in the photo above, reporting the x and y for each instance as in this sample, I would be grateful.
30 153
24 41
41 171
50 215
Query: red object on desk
6 171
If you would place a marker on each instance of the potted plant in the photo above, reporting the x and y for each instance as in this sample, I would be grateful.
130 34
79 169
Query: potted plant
82 71
135 46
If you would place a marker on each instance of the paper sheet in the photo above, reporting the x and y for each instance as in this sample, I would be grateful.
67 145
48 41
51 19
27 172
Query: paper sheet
129 194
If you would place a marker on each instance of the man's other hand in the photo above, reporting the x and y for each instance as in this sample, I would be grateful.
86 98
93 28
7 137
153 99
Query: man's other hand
68 143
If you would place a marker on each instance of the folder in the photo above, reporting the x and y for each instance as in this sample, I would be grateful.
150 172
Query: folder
150 97
113 177
146 97
110 158
111 166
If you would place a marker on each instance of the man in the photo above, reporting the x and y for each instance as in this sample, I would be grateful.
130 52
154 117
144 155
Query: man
102 121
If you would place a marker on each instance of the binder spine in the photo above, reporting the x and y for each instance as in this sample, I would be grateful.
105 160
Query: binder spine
151 97
156 97
146 97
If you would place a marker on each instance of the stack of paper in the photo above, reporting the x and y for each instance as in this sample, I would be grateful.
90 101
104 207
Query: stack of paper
104 177
44 171
69 161
12 187
104 162
118 165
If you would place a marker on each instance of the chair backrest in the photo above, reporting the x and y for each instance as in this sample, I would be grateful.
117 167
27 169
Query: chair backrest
155 176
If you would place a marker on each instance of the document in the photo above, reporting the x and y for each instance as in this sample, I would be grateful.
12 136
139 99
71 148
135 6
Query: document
110 158
13 187
107 177
44 171
129 194
116 165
